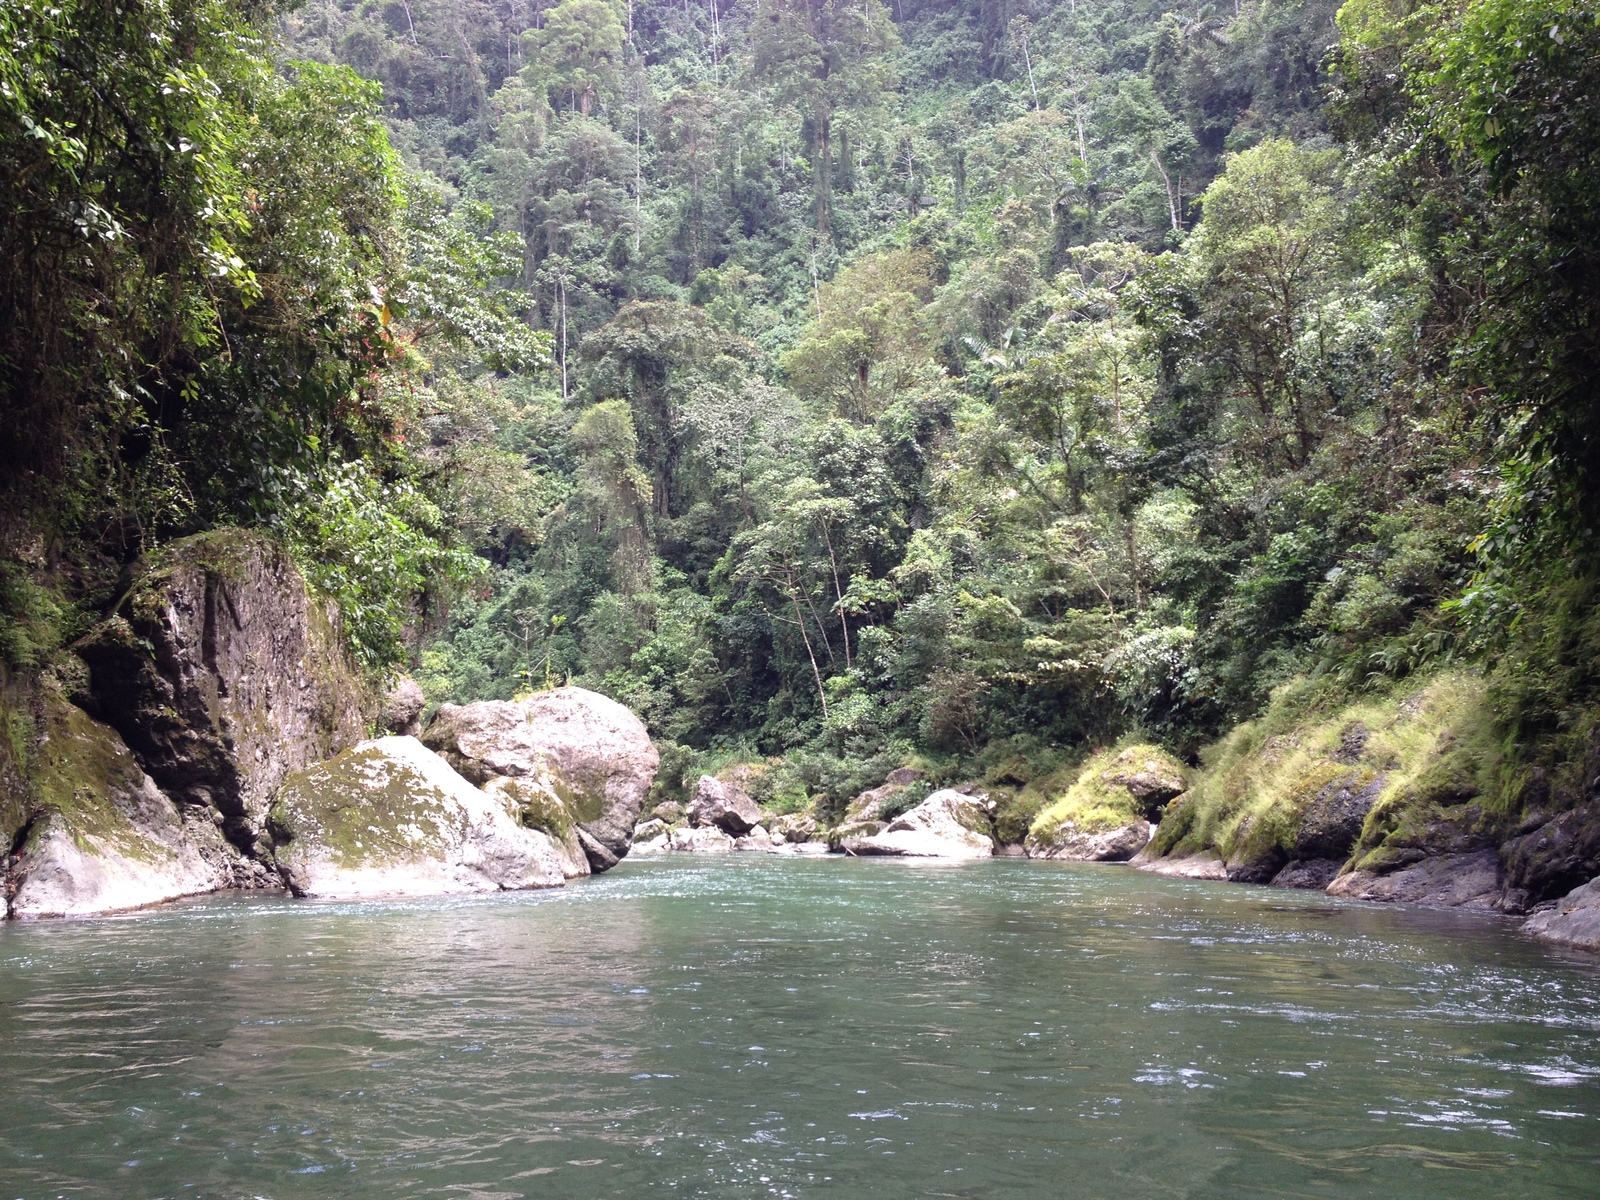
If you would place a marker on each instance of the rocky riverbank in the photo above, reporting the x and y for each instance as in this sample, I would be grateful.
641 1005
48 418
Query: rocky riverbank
212 733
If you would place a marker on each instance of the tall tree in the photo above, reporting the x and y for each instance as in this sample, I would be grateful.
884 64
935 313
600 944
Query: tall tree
826 57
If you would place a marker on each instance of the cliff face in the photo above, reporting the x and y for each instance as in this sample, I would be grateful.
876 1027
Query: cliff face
225 676
143 768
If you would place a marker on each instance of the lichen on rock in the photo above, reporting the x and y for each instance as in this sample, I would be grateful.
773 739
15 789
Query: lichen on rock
390 817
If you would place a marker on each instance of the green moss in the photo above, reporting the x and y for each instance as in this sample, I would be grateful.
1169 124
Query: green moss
365 808
1432 744
537 807
1095 801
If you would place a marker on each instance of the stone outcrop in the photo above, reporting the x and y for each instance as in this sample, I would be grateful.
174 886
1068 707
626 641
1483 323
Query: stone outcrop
724 806
1574 920
223 675
402 707
1450 880
1152 777
389 817
589 751
97 834
794 827
948 824
1112 845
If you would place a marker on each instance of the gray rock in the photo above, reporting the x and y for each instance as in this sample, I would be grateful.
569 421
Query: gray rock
724 806
1151 781
794 827
224 676
901 776
1187 866
1313 874
1572 921
593 751
100 836
390 818
648 830
670 812
1332 821
945 825
402 707
1113 845
757 840
709 840
1452 880
1556 855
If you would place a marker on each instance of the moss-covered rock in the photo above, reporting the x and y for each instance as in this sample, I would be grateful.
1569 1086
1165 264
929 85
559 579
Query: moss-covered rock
390 817
1322 784
96 834
1105 811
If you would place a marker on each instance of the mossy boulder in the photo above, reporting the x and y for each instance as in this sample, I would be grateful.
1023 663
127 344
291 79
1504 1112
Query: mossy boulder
1104 814
390 817
595 755
96 834
1322 785
225 675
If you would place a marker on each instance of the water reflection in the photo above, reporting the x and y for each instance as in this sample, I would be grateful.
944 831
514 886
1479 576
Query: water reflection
789 1027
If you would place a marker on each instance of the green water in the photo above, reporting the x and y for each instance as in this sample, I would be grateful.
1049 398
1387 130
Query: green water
758 1026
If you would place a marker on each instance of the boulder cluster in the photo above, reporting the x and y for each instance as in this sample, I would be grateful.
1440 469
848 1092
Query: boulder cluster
212 733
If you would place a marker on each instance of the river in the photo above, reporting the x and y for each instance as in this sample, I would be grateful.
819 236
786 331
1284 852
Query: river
755 1026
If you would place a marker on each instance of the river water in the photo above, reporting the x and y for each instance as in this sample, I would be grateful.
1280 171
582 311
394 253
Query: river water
755 1026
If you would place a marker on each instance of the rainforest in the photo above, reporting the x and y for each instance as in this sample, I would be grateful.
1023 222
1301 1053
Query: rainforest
840 386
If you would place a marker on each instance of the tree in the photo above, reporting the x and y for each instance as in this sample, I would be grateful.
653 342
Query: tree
578 51
826 57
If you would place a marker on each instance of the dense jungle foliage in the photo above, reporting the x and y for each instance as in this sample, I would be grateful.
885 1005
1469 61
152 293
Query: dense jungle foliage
829 379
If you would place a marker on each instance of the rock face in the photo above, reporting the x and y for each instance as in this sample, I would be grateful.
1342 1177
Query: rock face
224 676
389 817
99 835
1149 776
1114 845
1452 880
947 824
402 707
591 751
1572 921
724 806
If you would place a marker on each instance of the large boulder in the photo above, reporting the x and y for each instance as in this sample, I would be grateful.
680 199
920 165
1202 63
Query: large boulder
1105 814
1110 845
1470 880
224 675
402 707
1572 921
592 753
724 806
948 824
389 817
98 835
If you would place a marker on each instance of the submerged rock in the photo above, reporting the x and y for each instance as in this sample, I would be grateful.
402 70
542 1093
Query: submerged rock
1573 920
595 755
947 824
224 675
100 836
724 806
1184 866
389 817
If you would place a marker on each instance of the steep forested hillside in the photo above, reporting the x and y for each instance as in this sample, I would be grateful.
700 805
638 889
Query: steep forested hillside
979 381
